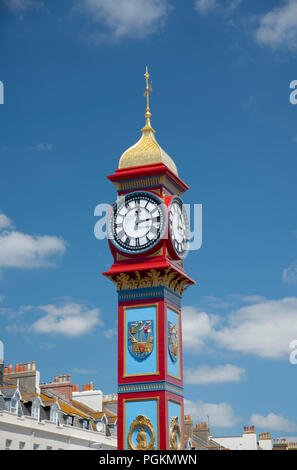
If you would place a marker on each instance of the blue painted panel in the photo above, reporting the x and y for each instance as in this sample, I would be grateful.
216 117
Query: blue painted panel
148 408
173 366
174 409
149 364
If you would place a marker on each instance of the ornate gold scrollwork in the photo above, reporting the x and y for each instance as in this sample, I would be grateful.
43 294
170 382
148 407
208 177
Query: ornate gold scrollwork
175 442
144 424
152 278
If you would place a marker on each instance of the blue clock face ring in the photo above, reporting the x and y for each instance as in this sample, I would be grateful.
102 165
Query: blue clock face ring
137 222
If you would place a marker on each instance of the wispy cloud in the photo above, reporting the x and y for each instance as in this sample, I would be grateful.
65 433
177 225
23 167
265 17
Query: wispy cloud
43 147
290 273
124 18
278 27
20 250
22 5
109 334
5 222
204 7
70 319
220 415
273 421
83 371
205 375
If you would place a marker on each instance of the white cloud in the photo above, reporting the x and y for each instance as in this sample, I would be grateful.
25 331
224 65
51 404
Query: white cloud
204 375
70 319
110 333
5 222
226 7
220 415
290 273
122 18
19 250
248 299
196 327
205 6
278 27
273 421
264 329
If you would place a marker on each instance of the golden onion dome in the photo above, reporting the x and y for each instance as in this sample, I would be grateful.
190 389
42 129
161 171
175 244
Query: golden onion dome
147 150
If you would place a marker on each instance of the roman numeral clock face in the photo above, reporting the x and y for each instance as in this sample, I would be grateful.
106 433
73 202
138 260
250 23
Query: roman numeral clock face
137 222
179 227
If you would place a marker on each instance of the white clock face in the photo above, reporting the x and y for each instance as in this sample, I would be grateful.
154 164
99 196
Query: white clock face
179 227
137 222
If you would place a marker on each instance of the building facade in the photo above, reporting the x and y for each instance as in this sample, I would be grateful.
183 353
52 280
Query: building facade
52 416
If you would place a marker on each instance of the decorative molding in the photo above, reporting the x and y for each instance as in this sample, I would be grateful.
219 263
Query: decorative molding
149 293
144 425
152 278
175 435
150 386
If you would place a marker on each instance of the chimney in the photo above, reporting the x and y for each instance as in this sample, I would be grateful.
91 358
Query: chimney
61 387
25 368
33 365
202 431
10 368
188 426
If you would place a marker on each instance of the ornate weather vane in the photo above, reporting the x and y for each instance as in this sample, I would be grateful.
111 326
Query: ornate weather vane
147 94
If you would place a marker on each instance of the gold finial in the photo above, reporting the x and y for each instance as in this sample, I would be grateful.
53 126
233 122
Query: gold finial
147 92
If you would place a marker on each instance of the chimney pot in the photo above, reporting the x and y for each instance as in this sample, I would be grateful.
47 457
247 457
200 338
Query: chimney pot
84 388
56 379
29 365
60 378
10 368
33 365
69 378
24 367
20 368
16 368
6 370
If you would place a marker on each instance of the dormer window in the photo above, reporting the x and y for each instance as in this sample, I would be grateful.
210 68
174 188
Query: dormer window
35 412
14 403
54 414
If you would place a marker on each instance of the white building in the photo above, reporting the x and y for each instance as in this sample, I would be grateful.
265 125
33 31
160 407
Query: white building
28 433
52 416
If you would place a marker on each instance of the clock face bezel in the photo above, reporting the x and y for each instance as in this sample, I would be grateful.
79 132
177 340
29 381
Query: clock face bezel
111 232
179 202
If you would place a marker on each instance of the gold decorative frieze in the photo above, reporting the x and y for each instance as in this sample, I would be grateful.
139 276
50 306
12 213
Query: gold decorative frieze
152 278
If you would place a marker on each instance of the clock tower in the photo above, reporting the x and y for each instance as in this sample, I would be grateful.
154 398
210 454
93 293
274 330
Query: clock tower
148 235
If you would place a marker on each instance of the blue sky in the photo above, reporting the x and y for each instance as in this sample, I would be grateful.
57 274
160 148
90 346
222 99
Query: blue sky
73 102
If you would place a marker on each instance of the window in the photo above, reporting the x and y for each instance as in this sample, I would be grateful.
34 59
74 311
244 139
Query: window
8 444
14 405
21 445
69 420
49 448
85 424
54 414
35 446
35 413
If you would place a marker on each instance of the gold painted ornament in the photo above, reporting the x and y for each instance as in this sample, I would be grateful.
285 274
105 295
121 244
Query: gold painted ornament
144 425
